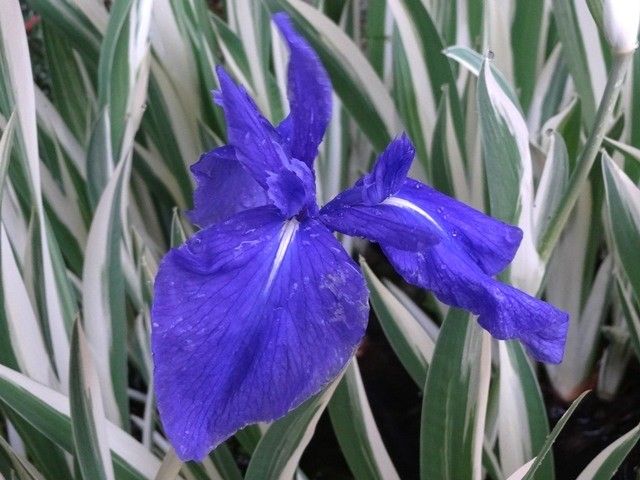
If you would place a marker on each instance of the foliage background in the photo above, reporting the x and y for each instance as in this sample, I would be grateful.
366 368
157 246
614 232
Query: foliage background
104 106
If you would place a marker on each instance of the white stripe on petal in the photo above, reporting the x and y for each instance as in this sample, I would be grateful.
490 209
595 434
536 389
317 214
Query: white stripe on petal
286 236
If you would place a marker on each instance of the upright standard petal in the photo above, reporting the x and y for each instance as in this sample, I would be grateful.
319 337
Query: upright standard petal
389 172
251 317
506 312
224 188
289 182
309 91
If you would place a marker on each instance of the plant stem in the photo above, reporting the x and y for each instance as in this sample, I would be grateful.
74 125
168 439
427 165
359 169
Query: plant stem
586 160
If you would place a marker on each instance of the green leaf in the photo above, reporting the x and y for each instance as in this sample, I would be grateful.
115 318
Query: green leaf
448 164
73 23
597 12
527 44
99 161
509 173
123 70
575 54
551 438
6 142
279 451
178 234
103 294
48 411
87 413
24 470
69 90
553 182
356 430
607 462
26 338
409 340
522 421
455 401
623 209
473 61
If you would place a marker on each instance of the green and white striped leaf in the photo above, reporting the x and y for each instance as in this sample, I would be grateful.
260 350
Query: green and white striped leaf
71 92
455 401
522 420
248 19
6 143
507 160
551 438
356 430
17 88
48 411
87 413
553 182
24 330
623 209
607 462
408 18
72 19
281 447
528 32
103 294
123 70
578 35
23 469
409 340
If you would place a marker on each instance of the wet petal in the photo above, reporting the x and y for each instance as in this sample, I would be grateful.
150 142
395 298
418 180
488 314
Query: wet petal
369 209
224 188
389 172
309 91
251 317
385 223
491 243
507 313
260 150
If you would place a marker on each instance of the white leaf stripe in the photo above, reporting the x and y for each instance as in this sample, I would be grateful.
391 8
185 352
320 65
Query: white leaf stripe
129 450
20 77
24 330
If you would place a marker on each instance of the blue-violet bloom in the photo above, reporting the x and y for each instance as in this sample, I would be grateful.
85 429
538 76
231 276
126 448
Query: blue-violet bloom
262 308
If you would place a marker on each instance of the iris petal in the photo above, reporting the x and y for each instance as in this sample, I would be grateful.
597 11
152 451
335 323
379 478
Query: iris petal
251 316
224 188
386 207
309 92
289 182
489 241
507 313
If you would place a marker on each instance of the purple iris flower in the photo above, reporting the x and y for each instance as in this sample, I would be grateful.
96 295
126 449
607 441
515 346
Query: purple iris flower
263 307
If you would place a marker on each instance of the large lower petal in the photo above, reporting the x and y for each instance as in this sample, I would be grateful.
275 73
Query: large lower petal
507 313
251 317
224 188
309 91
